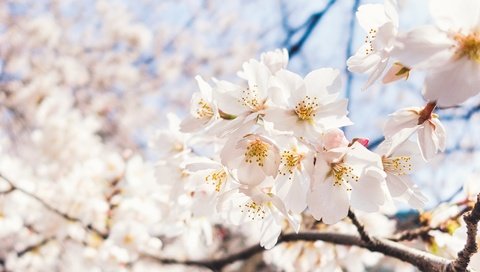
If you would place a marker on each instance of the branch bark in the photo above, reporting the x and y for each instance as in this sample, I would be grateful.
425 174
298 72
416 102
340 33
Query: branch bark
470 248
423 260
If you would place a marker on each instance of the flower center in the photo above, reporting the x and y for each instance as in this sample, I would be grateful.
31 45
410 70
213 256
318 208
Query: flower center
369 38
203 109
307 108
343 173
399 166
468 46
217 179
250 99
253 210
290 160
256 151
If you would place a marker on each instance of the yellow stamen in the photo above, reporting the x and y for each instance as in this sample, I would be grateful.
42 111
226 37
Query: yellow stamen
256 151
468 46
307 108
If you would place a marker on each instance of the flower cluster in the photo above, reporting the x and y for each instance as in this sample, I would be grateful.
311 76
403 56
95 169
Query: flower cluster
277 149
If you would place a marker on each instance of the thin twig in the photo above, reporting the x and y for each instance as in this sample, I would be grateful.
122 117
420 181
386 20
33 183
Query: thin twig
412 234
360 228
53 209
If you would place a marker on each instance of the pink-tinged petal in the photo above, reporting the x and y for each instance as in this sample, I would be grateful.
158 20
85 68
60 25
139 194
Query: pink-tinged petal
192 124
395 73
424 47
371 16
396 186
454 84
368 194
428 143
328 202
385 35
456 15
250 174
271 163
322 82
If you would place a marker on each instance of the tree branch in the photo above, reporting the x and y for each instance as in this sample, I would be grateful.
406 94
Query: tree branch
423 260
53 209
360 228
309 25
463 257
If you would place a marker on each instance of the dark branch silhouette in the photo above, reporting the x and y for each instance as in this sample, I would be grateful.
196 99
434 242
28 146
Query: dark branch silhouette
309 26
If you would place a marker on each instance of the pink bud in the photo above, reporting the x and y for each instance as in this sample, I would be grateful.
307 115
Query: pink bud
396 72
363 141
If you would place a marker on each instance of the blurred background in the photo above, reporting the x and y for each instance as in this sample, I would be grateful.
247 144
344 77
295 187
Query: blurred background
81 81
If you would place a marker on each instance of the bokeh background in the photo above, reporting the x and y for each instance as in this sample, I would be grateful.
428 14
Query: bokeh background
80 80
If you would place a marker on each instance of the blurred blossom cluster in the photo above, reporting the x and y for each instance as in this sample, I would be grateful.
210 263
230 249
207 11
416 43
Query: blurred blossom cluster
134 132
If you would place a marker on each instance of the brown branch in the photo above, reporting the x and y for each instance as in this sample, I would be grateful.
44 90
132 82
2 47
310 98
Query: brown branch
360 228
34 246
420 232
421 259
463 257
53 209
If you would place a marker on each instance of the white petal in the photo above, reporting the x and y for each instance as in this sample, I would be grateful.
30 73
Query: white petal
288 88
396 185
424 47
270 231
427 143
362 62
456 15
323 81
328 202
452 86
368 194
371 16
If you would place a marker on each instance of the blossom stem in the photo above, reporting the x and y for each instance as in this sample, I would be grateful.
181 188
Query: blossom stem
426 113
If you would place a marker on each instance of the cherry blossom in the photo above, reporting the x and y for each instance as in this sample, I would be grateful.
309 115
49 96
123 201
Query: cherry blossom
448 51
381 23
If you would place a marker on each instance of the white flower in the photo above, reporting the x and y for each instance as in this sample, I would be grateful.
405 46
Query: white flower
294 173
252 158
405 122
259 206
203 111
449 51
275 60
345 177
242 101
307 106
381 23
398 164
